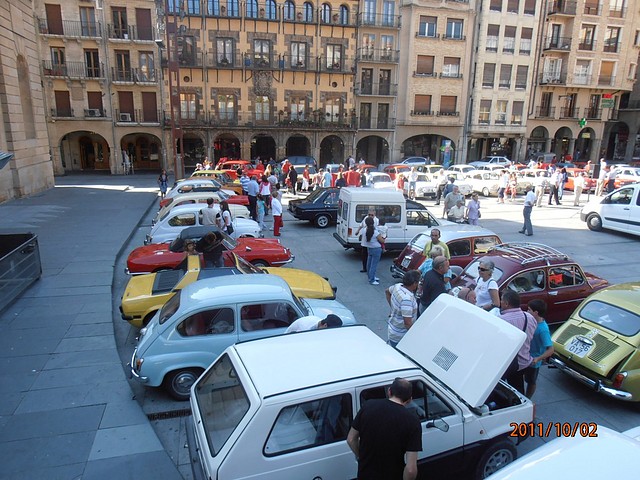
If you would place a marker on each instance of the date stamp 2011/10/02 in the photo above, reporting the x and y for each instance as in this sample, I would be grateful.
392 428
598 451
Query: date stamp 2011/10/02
559 429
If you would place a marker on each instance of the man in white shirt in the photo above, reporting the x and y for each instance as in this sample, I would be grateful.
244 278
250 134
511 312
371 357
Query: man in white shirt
312 322
578 186
209 214
529 202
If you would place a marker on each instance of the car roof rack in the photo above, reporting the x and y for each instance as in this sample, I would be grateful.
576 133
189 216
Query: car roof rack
527 252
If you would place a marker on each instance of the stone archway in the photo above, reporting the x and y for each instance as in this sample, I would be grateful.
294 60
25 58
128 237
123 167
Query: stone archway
85 150
226 145
617 144
194 150
264 146
537 142
584 143
562 141
373 149
331 150
144 150
437 148
298 145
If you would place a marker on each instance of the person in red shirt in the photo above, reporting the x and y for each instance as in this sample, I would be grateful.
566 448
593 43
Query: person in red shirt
352 177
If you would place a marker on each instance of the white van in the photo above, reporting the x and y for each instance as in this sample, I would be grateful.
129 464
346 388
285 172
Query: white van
620 210
403 218
288 417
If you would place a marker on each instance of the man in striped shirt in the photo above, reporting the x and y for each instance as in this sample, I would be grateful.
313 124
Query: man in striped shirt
404 307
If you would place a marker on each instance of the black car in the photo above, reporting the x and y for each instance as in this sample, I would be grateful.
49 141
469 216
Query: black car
320 207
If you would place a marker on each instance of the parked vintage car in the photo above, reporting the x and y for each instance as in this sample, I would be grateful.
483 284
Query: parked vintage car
320 207
230 167
426 186
589 183
465 170
462 182
197 323
414 161
587 454
222 177
189 193
620 211
263 252
537 271
625 175
380 180
144 295
465 243
502 162
237 204
485 182
249 423
600 343
182 216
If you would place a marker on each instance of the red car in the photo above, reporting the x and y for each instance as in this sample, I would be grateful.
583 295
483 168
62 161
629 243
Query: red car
230 167
589 183
163 256
536 271
465 243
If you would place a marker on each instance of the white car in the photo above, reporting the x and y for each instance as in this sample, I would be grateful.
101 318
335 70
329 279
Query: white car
485 182
281 407
626 174
426 186
465 170
379 180
173 221
594 451
201 199
620 210
188 185
503 162
463 184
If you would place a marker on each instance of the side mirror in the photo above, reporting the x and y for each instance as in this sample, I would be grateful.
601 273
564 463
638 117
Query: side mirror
438 423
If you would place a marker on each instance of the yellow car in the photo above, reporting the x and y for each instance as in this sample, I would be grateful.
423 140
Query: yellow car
222 177
146 294
600 343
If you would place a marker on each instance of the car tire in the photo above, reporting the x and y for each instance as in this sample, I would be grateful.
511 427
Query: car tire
594 222
496 456
485 192
322 221
260 263
178 383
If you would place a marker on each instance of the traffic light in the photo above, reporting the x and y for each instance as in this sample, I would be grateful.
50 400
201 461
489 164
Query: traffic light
582 122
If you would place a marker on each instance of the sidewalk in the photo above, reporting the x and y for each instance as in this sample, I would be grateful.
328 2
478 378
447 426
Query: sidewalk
66 408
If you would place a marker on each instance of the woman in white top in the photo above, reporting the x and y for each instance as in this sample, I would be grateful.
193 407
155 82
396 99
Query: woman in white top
372 240
487 296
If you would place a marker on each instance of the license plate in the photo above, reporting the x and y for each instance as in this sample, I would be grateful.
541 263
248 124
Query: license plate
579 348
406 261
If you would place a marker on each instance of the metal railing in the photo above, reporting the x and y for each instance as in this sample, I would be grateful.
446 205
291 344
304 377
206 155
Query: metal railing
19 265
130 32
378 20
378 55
376 123
615 48
453 36
569 112
557 43
138 116
546 112
62 112
587 45
593 113
71 28
592 8
422 113
72 69
561 7
608 80
447 113
582 79
314 119
619 12
375 88
425 74
548 78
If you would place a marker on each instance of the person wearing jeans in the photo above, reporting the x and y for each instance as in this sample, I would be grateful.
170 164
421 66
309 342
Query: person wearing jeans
372 240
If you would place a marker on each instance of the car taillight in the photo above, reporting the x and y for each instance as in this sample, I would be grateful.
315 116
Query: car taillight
165 201
349 232
618 379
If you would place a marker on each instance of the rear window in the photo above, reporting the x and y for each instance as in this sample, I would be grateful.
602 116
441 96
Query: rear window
222 403
611 317
388 213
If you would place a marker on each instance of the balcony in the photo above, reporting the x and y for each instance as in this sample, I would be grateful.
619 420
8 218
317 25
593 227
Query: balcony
425 74
297 62
569 112
606 80
373 123
71 28
611 47
618 12
454 36
378 20
593 113
378 55
552 78
592 8
72 70
582 79
422 113
130 32
561 7
587 45
557 43
138 116
224 60
424 33
62 113
379 89
457 75
337 65
312 120
447 113
546 112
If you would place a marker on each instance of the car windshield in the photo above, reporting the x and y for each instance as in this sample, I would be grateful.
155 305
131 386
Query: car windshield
611 317
420 241
380 178
472 271
222 402
169 308
314 195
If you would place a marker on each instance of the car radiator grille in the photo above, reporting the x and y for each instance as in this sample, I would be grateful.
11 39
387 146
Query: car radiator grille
603 348
569 332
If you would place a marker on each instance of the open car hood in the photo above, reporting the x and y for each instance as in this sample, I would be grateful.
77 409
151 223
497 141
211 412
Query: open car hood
463 346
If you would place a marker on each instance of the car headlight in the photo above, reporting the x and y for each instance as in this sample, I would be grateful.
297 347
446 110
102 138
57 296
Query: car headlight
139 362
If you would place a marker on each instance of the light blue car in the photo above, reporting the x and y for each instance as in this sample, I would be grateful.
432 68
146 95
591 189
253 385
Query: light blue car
199 322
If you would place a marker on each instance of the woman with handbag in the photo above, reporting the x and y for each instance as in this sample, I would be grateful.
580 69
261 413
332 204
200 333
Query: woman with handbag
373 240
226 222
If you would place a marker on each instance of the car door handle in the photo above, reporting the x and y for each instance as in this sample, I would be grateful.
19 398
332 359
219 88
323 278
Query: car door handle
553 293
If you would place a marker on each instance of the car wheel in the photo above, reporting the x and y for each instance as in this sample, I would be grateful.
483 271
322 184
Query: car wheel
485 192
594 222
497 456
322 221
260 263
178 384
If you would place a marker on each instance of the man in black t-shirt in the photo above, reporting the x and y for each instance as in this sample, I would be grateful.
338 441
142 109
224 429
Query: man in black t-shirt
211 248
383 433
433 282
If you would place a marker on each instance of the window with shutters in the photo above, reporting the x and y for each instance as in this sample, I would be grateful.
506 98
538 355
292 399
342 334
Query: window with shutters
488 75
513 6
529 7
525 41
298 107
501 112
448 105
509 44
582 72
493 34
263 108
424 65
495 5
505 76
451 67
422 105
484 116
521 77
516 113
